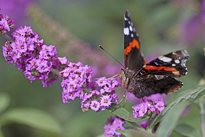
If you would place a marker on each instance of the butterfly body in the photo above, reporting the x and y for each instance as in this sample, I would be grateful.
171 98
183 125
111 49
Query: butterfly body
158 76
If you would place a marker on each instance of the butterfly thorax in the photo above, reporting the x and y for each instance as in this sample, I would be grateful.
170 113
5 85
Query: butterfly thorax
126 77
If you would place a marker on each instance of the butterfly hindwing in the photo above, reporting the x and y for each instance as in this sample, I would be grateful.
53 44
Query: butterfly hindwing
147 85
132 55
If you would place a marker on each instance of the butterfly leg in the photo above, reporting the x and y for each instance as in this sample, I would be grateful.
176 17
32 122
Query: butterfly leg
115 76
123 97
125 94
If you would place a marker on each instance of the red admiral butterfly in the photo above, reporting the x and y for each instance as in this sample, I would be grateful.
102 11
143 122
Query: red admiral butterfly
158 76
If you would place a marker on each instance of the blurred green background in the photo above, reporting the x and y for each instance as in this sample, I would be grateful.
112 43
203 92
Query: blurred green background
163 25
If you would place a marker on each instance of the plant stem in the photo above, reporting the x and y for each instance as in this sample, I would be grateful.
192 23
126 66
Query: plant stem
202 118
148 123
55 71
7 37
149 119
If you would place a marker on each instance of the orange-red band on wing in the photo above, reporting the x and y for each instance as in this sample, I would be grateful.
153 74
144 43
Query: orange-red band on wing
131 45
173 70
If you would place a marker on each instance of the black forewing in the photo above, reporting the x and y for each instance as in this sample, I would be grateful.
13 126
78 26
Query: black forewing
134 59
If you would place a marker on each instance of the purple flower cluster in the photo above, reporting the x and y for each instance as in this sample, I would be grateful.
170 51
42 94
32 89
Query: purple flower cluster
39 61
75 75
6 24
96 95
148 107
102 94
113 124
30 55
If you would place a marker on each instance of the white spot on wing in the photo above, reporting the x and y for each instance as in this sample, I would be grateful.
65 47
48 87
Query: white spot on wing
156 63
173 65
130 28
165 59
177 61
183 63
125 18
131 35
126 31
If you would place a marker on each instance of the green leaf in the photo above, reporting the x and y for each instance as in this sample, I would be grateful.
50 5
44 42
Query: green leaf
170 120
4 101
187 96
32 117
187 130
135 133
123 113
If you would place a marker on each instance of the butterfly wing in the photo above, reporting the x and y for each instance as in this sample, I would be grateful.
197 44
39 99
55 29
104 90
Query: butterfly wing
158 76
147 85
134 59
172 64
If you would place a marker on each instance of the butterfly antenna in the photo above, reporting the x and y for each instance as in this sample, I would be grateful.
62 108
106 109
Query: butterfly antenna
111 56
